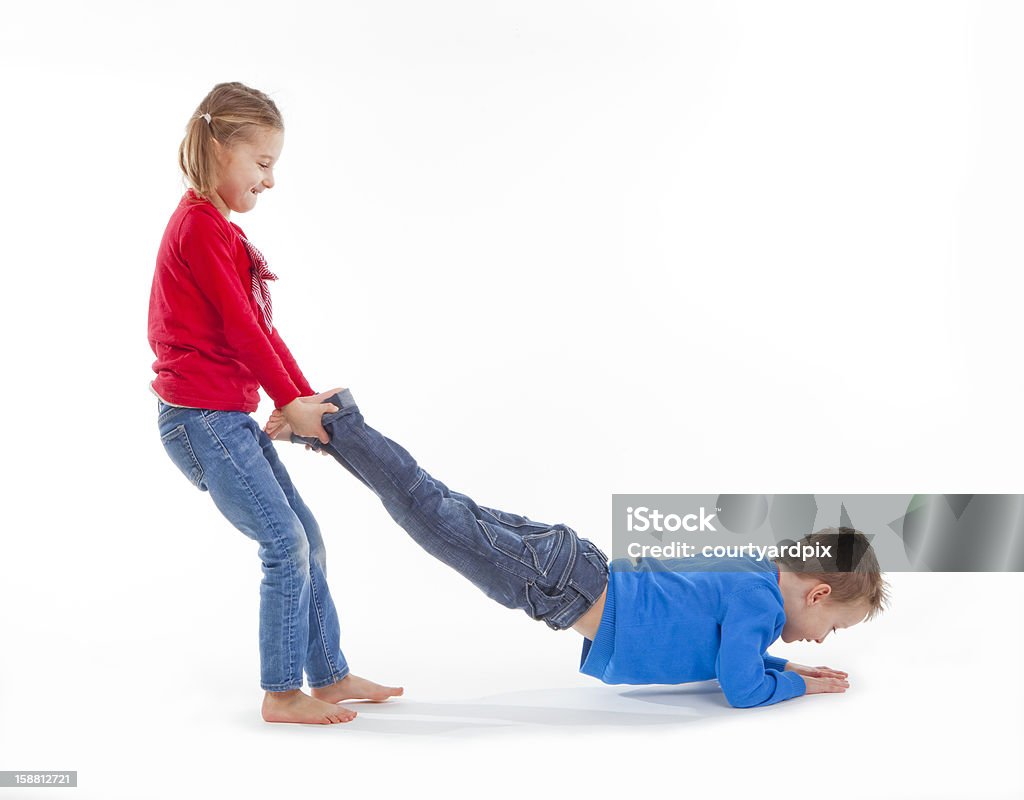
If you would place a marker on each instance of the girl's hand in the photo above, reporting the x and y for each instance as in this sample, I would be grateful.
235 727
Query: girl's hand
277 428
304 416
816 672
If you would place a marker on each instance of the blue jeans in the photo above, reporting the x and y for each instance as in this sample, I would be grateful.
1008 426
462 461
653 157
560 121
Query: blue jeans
548 571
227 454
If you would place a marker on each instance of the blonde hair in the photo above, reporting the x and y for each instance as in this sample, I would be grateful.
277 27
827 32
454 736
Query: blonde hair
851 570
235 112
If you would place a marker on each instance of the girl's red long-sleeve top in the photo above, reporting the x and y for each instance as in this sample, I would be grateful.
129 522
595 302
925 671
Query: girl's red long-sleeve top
212 350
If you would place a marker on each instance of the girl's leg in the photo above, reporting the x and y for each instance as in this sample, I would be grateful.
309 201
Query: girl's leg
545 570
221 452
327 671
324 661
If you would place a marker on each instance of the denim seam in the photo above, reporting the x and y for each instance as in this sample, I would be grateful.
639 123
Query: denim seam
528 540
570 562
163 416
335 677
453 535
280 687
502 566
278 540
315 600
558 619
603 565
579 587
532 564
532 613
601 586
179 431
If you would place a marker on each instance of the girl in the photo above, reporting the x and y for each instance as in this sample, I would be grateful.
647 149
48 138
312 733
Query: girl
211 328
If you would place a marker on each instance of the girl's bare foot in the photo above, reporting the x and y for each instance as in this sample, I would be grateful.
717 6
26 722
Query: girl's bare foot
296 706
352 687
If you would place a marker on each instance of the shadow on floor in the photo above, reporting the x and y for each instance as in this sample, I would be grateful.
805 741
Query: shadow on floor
582 708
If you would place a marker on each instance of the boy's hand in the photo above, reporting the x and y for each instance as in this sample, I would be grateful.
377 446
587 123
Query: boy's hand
816 672
822 685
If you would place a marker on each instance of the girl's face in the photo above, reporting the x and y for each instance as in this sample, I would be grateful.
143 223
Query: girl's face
246 169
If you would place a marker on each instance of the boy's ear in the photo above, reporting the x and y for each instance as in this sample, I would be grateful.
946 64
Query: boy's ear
819 593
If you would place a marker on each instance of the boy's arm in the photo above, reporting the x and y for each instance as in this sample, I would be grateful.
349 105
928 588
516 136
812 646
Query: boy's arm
771 662
748 627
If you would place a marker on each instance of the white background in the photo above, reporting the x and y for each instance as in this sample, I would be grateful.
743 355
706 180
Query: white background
559 250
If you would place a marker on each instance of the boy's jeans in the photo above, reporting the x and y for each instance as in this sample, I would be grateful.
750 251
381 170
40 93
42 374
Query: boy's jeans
226 453
546 570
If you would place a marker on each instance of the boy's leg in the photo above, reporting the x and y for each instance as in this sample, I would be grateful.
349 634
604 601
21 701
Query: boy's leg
545 570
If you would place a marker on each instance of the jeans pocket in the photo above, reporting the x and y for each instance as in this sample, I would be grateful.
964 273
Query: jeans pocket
179 448
534 551
540 604
544 547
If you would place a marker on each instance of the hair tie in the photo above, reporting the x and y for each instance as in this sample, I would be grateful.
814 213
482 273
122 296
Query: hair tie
206 116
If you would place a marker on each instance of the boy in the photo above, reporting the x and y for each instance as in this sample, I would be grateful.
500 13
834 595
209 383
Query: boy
650 622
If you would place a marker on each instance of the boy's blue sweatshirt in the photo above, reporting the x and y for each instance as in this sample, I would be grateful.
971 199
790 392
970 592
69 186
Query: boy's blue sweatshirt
681 620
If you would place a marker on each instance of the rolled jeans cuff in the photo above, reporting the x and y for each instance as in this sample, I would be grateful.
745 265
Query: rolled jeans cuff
342 400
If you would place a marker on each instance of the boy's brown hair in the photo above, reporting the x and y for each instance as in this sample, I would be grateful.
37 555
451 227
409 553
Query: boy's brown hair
235 112
851 569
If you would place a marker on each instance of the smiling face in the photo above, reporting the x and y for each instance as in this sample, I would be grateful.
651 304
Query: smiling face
811 614
246 169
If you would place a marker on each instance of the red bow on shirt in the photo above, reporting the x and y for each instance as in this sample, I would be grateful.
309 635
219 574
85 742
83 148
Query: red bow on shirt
260 275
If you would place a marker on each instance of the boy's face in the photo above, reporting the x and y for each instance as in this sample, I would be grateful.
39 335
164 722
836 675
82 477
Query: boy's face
811 614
